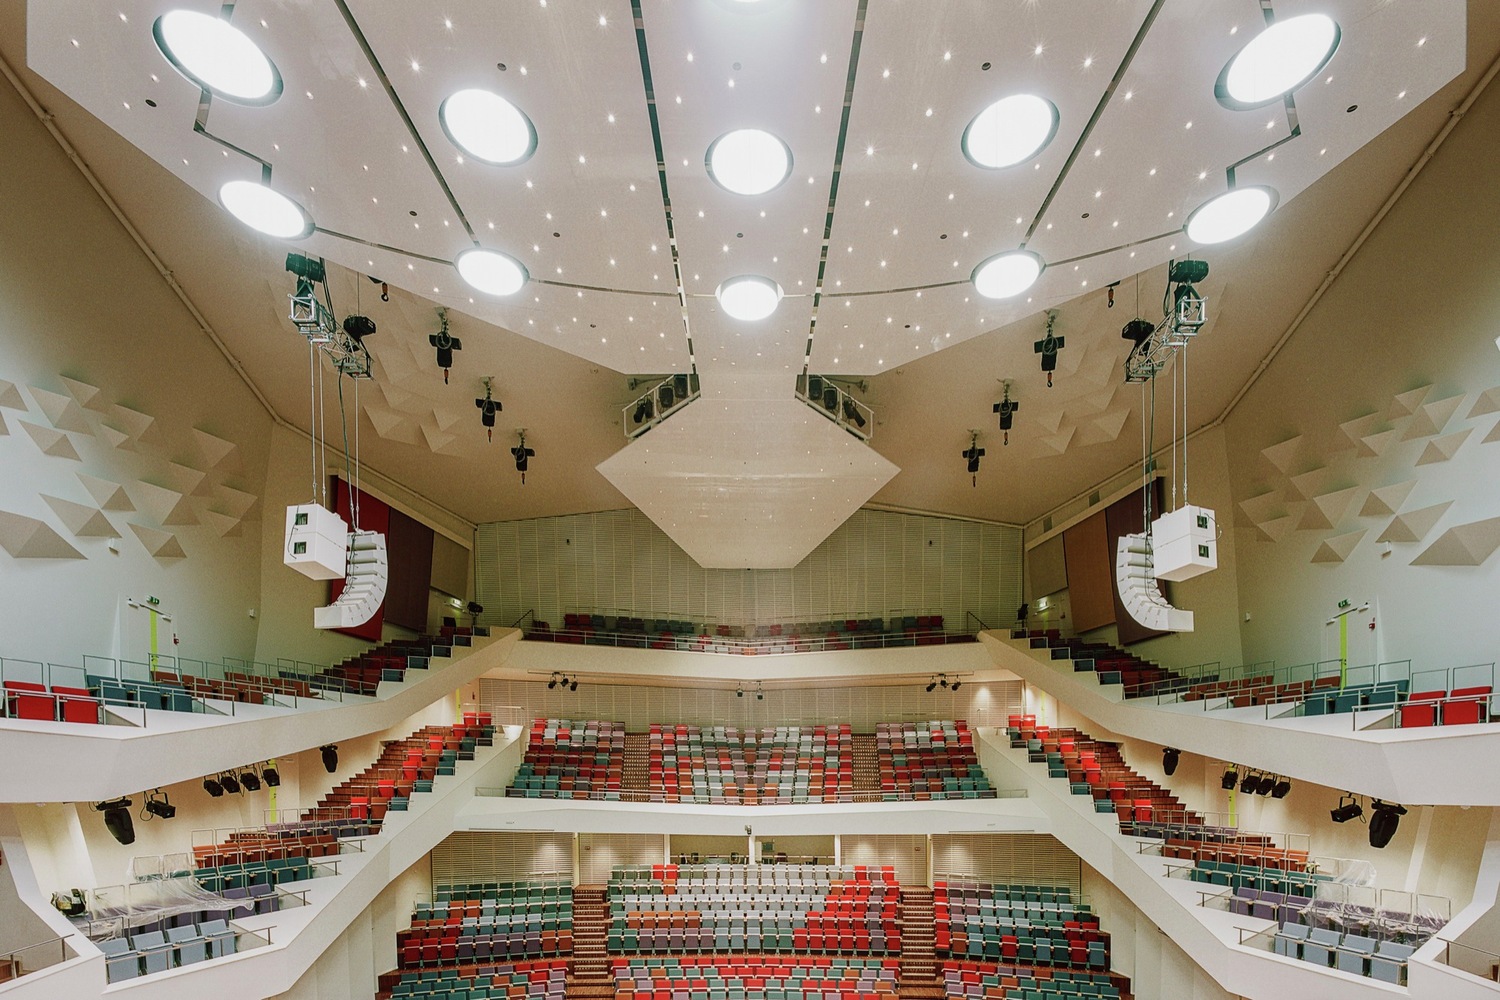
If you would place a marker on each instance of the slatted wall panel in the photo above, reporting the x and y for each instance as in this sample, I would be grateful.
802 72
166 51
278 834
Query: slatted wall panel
981 704
599 852
877 564
908 854
492 857
1036 858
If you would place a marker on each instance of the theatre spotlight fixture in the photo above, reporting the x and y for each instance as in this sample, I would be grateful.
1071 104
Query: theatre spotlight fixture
330 753
1249 783
1169 758
230 782
212 787
573 684
1230 777
522 455
1347 809
932 685
1267 783
250 780
270 776
1280 789
956 683
158 806
117 819
643 410
739 692
552 681
1384 818
943 680
760 692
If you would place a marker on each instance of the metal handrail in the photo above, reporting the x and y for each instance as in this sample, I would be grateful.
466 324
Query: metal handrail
689 799
10 961
745 646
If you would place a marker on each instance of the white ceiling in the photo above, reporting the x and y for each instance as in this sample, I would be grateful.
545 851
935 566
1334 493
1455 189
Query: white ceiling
941 349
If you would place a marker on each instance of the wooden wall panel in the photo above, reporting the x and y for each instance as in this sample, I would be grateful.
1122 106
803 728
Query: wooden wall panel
1091 573
1046 569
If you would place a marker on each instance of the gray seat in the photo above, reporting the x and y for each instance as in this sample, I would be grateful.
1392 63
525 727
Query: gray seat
1289 939
1320 946
156 954
220 938
191 946
1389 962
1354 954
120 961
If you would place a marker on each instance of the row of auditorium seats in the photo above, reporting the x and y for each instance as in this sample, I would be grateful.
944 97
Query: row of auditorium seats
55 703
155 951
1287 881
862 633
743 977
1348 952
489 922
389 662
726 765
538 980
1029 924
1137 677
1011 981
801 908
929 760
572 759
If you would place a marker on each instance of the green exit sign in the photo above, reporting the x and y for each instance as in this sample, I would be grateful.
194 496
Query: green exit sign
1343 604
153 601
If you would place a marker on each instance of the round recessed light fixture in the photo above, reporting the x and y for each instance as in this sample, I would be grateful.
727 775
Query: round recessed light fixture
488 127
266 210
748 161
491 271
1231 214
1010 131
217 56
1008 274
1277 61
748 297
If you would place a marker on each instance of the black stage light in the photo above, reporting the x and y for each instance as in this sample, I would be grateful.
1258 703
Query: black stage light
1267 783
956 683
212 787
932 685
760 695
230 782
1188 271
573 684
1347 809
1230 777
306 268
1280 789
943 680
251 781
739 692
831 399
851 412
117 819
445 346
1384 818
158 805
270 776
680 386
1249 783
972 455
359 327
552 682
665 396
1138 331
474 608
330 753
1169 757
643 410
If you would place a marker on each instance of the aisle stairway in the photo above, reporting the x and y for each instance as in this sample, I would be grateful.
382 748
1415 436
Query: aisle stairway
866 759
590 976
636 777
918 965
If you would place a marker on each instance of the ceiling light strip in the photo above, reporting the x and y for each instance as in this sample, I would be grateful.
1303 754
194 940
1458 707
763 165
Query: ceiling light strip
602 288
383 246
833 185
895 291
1083 138
200 126
1123 246
661 177
411 127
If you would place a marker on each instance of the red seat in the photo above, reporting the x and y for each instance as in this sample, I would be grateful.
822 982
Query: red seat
1466 706
1421 709
76 704
20 703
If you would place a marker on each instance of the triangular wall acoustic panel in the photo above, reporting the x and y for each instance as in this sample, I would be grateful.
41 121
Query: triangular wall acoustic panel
1112 424
1059 442
214 448
27 538
116 438
236 502
1387 500
108 495
1312 482
83 393
81 519
1414 525
63 411
1443 448
166 506
1431 418
161 544
1355 430
1280 455
1334 505
1051 421
1260 508
140 426
1337 548
1488 402
1405 404
10 396
185 477
4 429
1463 545
51 442
1493 435
1277 528
222 524
1374 445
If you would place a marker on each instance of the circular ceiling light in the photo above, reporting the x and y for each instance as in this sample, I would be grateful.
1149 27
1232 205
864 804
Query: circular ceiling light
749 297
488 127
491 271
1277 61
748 161
1010 131
266 210
217 56
1008 274
1231 214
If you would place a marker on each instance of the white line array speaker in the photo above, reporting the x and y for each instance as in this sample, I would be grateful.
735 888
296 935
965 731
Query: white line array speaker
1142 598
364 584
